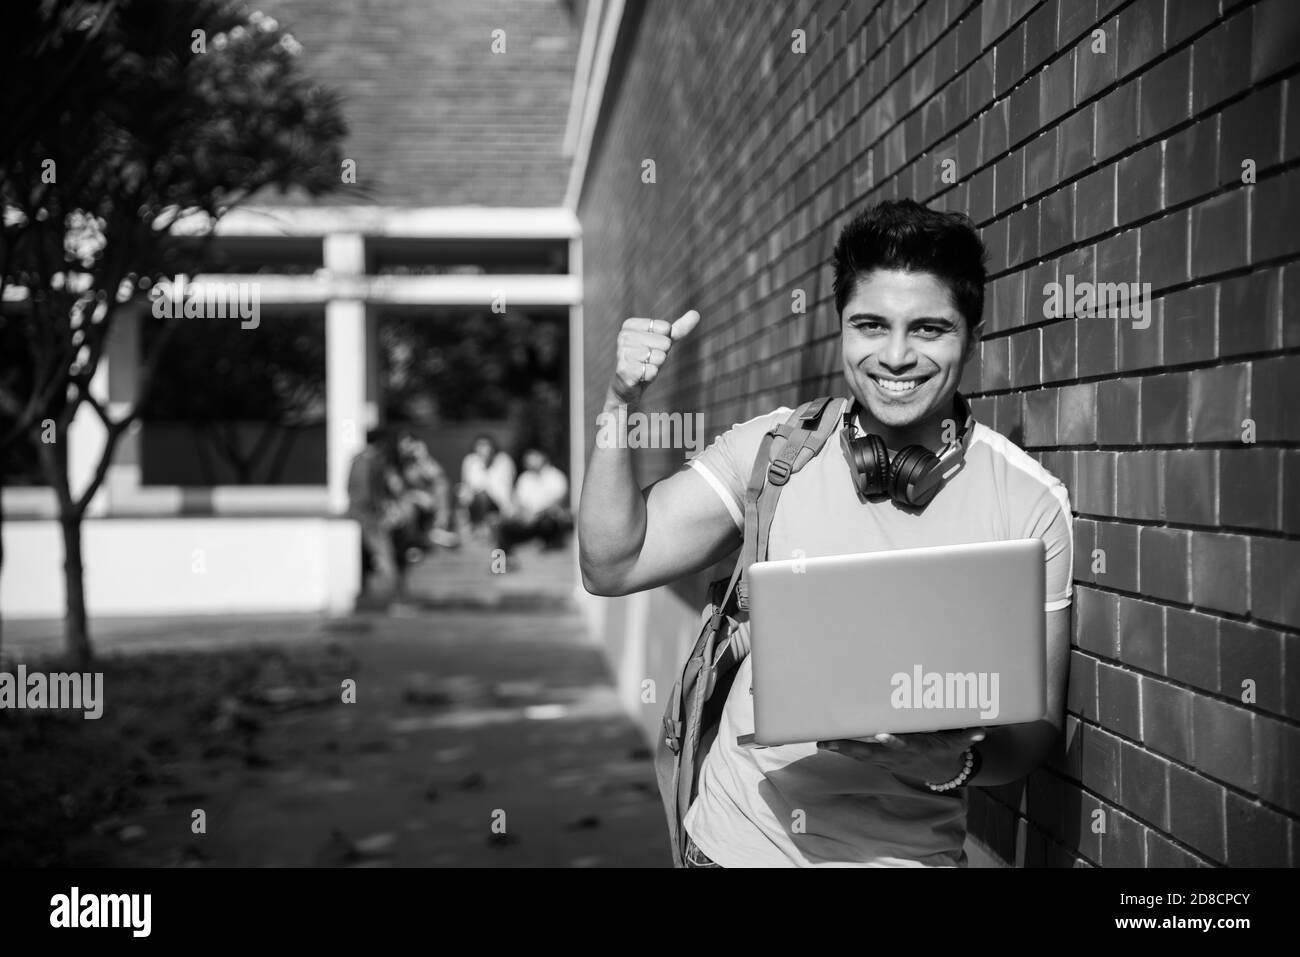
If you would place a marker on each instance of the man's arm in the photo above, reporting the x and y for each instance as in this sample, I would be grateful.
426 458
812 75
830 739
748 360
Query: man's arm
630 539
1009 752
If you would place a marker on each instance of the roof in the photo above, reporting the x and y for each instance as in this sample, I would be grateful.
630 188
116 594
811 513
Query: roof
435 118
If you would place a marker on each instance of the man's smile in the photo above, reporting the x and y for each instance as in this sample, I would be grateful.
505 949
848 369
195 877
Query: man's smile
897 386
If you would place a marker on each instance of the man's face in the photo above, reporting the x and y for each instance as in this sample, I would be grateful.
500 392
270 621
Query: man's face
483 449
533 461
904 345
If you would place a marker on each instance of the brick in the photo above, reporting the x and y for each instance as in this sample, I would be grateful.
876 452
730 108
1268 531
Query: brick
1257 836
1219 572
994 363
1025 353
1163 568
1010 417
1277 207
1191 491
1124 844
1274 386
1095 203
1219 234
993 130
1196 812
1189 331
1144 784
1250 129
1119 546
1040 418
1221 742
1185 18
980 201
980 82
1139 483
1009 61
1167 718
1096 480
1291 305
1100 761
1117 121
1191 162
1162 853
1250 313
1166 94
1219 402
1059 351
1040 35
1117 410
1142 634
1096 344
1250 480
1081 692
1140 177
1076 417
1290 492
1084 540
1024 110
1141 35
1118 701
1164 408
1139 329
1277 756
1056 90
1165 255
1221 62
1075 145
1022 236
1096 622
1009 182
1055 220
1276 36
1094 71
1249 653
1117 258
1192 648
994 235
1275 580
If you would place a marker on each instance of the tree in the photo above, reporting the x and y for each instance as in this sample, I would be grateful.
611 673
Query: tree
123 119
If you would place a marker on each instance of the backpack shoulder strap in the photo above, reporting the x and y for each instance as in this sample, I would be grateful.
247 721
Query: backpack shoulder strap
784 451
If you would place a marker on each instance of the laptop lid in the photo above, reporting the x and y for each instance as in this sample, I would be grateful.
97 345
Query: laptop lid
918 639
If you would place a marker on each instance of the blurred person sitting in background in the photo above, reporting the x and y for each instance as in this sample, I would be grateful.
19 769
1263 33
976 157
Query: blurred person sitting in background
427 492
487 478
539 507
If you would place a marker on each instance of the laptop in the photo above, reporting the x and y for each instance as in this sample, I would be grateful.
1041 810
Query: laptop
917 639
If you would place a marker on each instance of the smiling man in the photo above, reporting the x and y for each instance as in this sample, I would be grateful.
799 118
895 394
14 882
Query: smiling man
909 291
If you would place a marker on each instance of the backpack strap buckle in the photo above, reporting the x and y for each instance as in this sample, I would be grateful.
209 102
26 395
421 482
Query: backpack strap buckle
672 734
779 472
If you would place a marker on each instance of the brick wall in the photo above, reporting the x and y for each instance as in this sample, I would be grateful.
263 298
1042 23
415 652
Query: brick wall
1117 166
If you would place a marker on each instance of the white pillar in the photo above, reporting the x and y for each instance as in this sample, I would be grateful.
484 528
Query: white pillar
345 369
577 373
124 359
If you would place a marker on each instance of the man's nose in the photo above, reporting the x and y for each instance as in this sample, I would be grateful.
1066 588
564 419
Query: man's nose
897 352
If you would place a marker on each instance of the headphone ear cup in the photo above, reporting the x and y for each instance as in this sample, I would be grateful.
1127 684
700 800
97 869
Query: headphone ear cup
868 462
908 467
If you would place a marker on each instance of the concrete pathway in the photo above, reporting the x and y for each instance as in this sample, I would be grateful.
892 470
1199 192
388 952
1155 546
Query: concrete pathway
484 733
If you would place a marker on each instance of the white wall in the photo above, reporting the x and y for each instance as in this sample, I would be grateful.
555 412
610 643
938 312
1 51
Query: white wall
186 566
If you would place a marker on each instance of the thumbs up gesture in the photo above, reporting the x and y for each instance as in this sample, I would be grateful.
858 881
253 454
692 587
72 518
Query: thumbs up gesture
643 347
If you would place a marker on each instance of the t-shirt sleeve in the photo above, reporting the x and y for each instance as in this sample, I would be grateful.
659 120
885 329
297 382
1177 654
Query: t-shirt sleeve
1051 520
728 461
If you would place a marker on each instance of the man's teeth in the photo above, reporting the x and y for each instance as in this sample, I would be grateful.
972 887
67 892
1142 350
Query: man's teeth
893 385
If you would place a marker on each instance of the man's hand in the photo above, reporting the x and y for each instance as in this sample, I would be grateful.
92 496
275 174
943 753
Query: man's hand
643 347
930 757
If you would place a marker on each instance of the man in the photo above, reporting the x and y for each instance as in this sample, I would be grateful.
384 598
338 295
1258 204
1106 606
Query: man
428 491
537 509
373 487
909 291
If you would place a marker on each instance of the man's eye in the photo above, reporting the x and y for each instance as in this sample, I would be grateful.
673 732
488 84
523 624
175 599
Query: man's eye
930 332
866 325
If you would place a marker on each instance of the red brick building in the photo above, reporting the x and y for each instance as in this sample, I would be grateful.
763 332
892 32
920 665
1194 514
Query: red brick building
1150 141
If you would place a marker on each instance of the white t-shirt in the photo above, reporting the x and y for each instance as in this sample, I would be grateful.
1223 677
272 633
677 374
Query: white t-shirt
853 813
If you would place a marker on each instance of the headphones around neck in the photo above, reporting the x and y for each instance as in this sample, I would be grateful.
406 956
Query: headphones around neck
915 474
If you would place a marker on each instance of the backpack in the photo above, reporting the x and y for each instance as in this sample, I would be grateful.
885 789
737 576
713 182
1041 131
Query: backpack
694 710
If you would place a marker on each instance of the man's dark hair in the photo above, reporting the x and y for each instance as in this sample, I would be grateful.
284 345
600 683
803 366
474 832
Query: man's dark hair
904 235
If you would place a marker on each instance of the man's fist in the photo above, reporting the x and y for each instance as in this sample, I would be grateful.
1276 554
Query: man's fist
643 347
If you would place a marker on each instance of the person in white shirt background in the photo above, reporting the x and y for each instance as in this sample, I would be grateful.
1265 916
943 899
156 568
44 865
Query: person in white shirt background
539 507
487 480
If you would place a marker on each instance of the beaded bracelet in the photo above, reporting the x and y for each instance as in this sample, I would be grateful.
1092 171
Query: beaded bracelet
966 772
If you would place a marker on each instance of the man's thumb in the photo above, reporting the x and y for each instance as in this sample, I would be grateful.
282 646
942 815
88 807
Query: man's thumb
682 327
